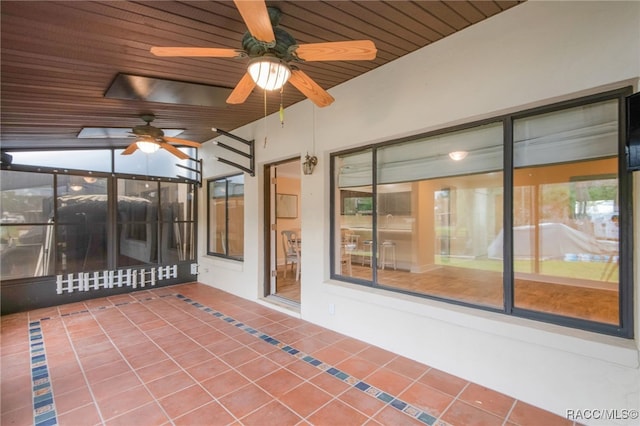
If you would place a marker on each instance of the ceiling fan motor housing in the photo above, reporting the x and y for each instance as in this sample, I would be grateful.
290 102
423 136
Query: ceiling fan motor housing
281 49
147 130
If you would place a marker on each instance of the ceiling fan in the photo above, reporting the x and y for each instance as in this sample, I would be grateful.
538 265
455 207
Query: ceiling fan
149 139
274 53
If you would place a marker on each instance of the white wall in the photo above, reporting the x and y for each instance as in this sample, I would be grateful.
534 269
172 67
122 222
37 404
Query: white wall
534 54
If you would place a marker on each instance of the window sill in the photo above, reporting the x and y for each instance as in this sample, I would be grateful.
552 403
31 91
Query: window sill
610 349
223 262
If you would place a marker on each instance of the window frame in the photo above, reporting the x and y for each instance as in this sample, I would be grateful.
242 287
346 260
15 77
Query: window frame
625 327
112 235
226 180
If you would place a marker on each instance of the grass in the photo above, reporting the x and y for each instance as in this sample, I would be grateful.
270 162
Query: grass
594 271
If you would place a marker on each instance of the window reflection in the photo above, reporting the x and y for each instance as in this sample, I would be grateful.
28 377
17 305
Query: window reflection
81 224
434 215
566 239
354 216
137 222
436 240
176 215
41 235
565 208
226 217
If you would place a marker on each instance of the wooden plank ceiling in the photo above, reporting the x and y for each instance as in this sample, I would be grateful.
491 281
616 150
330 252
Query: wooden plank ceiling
58 58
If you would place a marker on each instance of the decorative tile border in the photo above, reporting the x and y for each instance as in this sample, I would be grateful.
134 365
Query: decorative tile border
44 406
354 382
44 409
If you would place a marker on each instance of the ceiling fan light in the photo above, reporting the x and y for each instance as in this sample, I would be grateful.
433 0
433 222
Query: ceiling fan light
147 147
269 73
458 155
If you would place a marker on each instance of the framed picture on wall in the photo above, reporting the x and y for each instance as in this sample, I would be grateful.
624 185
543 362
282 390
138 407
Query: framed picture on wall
286 206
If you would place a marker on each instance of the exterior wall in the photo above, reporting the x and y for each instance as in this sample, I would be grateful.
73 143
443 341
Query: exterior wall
533 54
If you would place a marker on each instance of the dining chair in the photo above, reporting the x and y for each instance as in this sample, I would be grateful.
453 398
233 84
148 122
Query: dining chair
345 257
349 243
291 248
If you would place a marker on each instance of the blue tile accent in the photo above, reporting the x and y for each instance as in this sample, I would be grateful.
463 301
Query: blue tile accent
400 405
44 409
394 402
342 376
426 418
333 371
362 386
383 396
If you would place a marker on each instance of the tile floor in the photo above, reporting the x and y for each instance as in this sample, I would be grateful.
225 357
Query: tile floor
193 355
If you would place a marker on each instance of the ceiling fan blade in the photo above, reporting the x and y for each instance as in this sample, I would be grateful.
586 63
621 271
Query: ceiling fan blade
310 88
355 50
242 90
255 15
212 52
182 142
173 150
130 149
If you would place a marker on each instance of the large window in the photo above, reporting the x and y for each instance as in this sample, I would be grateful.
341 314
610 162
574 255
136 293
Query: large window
520 215
57 223
226 217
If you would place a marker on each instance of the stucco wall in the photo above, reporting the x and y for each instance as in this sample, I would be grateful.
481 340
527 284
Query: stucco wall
533 54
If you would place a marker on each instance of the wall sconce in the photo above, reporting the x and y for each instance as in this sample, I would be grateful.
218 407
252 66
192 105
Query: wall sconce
309 164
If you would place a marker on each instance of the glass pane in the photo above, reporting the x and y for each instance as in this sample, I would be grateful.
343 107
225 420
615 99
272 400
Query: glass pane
226 217
177 241
435 235
137 222
177 201
26 243
160 163
579 133
217 217
26 251
235 219
26 197
354 215
442 155
176 208
95 160
566 236
82 224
